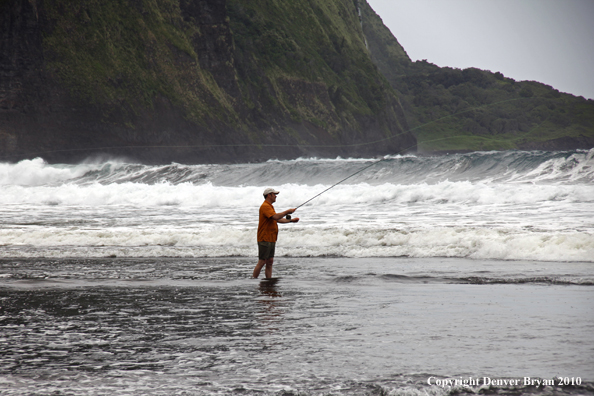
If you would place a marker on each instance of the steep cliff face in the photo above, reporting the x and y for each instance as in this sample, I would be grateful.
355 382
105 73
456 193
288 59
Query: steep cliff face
191 81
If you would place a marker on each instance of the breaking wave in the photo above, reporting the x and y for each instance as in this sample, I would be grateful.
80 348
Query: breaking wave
498 205
566 167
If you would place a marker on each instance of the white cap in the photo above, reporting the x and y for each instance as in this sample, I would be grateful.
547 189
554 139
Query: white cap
270 190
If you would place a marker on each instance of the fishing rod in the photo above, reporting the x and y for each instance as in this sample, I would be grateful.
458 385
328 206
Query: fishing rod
288 217
345 179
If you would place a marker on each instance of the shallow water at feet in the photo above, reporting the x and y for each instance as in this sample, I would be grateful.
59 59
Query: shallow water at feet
324 326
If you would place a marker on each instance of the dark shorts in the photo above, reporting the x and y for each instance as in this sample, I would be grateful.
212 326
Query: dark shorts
266 250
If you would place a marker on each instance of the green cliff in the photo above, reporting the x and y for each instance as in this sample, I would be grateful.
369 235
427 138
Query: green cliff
241 80
461 110
193 81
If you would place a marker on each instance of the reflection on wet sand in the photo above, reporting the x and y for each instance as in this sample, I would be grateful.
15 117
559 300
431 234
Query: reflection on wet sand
271 302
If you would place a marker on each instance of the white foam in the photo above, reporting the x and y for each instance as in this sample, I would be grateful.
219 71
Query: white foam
209 195
145 195
577 167
37 172
322 160
211 241
74 214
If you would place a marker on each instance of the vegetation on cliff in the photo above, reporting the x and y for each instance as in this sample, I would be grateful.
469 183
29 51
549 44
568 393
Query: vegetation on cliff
318 42
451 109
199 81
123 55
237 80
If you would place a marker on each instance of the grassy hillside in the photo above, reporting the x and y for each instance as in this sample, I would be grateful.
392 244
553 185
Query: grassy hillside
214 80
123 55
243 80
317 42
451 109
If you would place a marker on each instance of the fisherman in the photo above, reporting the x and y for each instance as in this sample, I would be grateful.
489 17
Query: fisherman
268 231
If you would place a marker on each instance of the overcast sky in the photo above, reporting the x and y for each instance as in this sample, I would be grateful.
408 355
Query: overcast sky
550 41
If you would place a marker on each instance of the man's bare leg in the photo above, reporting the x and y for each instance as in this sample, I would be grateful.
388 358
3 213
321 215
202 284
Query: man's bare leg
268 270
258 268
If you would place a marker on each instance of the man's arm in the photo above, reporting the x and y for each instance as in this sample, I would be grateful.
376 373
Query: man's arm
283 220
279 216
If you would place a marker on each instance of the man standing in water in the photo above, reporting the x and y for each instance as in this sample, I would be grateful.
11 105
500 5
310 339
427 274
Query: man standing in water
268 231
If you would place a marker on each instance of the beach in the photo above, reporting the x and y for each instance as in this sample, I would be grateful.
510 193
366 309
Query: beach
325 326
424 275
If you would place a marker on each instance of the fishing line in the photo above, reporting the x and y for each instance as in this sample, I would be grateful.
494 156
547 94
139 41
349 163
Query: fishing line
262 145
345 179
310 145
288 217
401 151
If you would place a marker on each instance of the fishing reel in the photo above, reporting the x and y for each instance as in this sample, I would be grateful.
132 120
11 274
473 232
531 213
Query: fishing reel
288 217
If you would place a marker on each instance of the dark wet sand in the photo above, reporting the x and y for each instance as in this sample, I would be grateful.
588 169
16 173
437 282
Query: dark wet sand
202 326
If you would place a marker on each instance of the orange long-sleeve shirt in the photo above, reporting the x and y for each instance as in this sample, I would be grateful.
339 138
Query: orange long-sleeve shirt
267 226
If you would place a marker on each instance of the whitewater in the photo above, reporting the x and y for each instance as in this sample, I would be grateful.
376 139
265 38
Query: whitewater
420 275
483 205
